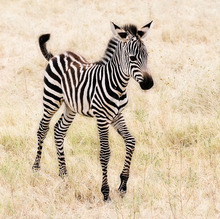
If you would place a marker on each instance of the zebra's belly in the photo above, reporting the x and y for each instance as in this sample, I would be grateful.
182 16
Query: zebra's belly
81 106
96 110
95 106
108 110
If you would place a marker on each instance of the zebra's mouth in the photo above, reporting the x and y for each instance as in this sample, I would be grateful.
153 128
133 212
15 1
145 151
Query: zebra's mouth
147 83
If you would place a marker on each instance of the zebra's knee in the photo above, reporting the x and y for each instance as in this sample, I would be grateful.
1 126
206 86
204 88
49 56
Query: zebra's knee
59 134
56 131
42 131
130 142
104 156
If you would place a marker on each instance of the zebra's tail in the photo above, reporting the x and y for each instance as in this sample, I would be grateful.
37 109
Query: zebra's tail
42 42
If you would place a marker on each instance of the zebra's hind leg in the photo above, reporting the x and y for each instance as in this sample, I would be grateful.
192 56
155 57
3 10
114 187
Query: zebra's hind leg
60 131
52 100
103 128
120 125
41 134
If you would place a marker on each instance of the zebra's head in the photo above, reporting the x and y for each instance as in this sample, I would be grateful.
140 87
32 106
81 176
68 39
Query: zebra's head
134 53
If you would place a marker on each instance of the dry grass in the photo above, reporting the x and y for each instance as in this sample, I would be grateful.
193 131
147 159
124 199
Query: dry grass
175 169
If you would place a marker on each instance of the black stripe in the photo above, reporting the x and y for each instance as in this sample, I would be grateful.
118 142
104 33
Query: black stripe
50 102
52 86
47 93
57 68
52 75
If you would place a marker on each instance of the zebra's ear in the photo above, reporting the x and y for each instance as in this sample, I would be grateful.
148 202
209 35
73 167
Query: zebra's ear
143 32
117 31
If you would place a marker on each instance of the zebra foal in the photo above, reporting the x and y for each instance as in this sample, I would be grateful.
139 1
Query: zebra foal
95 90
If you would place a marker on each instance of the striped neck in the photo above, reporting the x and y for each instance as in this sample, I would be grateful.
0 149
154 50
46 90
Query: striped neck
113 57
110 51
112 63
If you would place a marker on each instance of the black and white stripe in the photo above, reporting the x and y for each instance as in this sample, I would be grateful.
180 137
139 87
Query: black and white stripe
95 90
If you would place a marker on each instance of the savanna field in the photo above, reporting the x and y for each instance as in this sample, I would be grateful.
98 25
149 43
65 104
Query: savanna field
175 170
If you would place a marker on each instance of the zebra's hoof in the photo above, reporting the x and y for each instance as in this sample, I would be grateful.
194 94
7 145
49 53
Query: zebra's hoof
122 193
36 168
107 200
105 192
63 175
123 186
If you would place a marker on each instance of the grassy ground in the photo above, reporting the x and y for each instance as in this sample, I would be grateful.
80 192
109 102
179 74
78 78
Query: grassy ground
175 169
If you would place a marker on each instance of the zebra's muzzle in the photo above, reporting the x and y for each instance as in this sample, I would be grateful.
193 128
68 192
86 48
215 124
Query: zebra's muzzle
147 83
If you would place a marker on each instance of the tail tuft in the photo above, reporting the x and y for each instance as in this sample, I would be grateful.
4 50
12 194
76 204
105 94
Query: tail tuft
44 38
42 42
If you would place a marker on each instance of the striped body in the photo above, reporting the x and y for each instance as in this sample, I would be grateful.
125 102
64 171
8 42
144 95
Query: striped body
95 90
67 77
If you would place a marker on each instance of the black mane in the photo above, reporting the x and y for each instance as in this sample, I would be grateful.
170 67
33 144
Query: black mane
132 29
112 44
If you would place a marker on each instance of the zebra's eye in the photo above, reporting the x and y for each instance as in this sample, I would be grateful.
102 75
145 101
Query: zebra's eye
133 58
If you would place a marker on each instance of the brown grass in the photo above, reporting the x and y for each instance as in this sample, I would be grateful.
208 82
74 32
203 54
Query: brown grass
175 169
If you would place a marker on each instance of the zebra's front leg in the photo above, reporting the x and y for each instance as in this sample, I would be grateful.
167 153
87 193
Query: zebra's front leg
103 128
60 131
120 125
